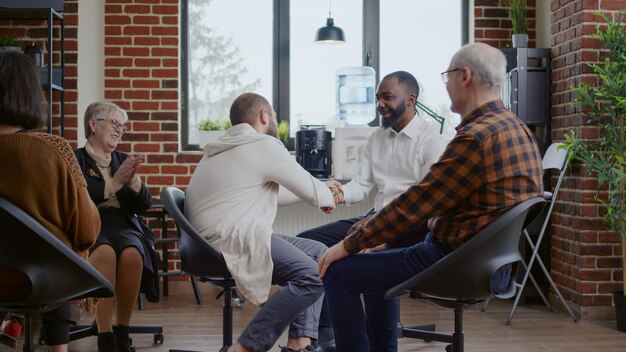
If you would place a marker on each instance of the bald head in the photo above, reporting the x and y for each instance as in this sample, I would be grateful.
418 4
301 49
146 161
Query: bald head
246 107
488 64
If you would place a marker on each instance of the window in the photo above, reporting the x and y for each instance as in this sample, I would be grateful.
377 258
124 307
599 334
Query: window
267 47
312 97
408 43
224 59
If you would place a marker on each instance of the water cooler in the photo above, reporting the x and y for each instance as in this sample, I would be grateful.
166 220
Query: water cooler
314 150
356 107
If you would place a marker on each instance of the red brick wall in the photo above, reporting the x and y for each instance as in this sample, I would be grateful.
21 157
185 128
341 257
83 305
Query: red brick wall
142 76
585 258
493 26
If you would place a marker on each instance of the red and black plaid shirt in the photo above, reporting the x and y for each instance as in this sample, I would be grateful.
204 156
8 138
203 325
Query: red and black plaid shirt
492 164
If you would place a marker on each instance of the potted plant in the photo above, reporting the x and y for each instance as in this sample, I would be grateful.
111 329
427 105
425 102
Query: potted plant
9 43
605 106
282 132
210 130
517 14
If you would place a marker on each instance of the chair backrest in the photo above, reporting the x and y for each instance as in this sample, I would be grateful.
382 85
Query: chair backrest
555 158
198 257
55 272
466 273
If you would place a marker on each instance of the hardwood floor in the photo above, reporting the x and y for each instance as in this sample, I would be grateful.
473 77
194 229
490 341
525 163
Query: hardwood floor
187 325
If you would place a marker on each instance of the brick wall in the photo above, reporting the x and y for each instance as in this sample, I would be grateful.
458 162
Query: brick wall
585 258
142 76
493 26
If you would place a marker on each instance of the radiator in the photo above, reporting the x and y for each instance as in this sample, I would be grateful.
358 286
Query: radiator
295 218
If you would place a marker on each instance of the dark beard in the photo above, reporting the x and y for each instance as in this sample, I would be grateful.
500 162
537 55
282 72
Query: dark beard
272 131
398 111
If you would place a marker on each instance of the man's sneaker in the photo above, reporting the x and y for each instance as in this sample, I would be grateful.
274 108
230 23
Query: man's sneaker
10 330
308 348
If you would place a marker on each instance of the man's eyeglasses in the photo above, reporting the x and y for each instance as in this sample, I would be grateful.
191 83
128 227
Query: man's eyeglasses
116 124
444 74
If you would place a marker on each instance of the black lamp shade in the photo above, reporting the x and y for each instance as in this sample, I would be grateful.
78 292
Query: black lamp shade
330 34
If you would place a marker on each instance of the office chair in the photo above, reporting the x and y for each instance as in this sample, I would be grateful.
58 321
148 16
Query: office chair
464 276
158 212
51 273
199 258
556 159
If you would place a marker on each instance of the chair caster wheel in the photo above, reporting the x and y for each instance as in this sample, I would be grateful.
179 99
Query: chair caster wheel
158 339
449 348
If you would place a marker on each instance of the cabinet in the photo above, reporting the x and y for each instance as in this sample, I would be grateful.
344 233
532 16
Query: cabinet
526 92
52 78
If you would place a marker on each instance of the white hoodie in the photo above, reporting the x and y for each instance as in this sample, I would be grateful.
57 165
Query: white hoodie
232 199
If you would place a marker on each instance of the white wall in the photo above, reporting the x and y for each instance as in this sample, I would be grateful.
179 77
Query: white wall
542 16
90 82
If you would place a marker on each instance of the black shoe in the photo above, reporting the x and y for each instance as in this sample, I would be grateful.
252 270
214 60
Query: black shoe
308 348
106 342
328 346
122 339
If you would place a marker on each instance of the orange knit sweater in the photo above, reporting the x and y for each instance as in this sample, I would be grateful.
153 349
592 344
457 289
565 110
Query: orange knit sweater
40 174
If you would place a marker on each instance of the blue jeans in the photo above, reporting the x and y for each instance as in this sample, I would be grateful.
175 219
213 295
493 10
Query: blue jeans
371 274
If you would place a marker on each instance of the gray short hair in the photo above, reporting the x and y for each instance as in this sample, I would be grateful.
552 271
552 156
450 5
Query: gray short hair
488 64
101 108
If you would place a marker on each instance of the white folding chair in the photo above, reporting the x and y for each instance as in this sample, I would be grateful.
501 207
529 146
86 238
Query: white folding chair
554 158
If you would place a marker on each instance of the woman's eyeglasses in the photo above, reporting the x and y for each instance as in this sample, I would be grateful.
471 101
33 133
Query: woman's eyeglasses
116 124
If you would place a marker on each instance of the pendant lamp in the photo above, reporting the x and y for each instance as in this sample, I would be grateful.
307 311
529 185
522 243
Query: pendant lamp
330 34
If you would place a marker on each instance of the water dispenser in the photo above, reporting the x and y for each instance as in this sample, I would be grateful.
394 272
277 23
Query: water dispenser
356 98
356 107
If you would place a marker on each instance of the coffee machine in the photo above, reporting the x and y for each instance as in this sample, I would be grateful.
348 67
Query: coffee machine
314 150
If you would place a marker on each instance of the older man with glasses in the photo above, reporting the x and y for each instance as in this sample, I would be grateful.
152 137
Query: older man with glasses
491 164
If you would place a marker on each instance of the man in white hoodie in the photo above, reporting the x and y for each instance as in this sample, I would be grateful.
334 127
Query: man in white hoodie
232 199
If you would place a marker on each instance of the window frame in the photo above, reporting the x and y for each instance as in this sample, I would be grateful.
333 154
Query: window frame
281 58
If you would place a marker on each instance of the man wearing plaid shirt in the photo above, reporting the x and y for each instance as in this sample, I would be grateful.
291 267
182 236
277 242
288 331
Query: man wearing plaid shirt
491 164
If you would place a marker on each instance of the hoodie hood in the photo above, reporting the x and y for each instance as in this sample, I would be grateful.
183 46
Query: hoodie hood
237 135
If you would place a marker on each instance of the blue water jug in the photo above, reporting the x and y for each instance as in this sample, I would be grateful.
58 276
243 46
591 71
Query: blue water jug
356 98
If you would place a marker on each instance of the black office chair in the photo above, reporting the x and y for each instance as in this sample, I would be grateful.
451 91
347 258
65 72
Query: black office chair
201 259
51 273
464 276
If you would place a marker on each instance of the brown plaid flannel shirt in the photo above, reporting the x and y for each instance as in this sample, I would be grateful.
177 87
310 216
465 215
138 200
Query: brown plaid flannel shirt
492 164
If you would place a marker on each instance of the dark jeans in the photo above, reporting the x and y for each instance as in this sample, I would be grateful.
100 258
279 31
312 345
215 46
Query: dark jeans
371 274
329 234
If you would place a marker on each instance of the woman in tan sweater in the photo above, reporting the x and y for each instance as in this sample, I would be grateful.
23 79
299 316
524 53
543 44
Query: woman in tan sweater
39 173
